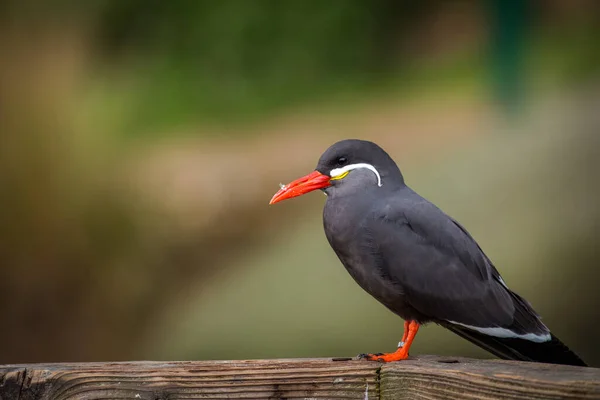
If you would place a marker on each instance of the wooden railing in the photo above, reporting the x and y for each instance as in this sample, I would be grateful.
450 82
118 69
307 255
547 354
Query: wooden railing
425 377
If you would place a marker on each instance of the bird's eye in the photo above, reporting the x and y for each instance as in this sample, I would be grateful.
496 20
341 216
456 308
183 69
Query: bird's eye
342 160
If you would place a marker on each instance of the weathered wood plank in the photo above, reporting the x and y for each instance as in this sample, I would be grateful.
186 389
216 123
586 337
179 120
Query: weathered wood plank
432 378
426 377
254 379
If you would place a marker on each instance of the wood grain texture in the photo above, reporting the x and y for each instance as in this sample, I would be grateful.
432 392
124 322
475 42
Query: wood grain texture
425 377
432 378
256 379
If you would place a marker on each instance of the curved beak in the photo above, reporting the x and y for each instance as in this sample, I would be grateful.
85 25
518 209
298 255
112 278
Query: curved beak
313 181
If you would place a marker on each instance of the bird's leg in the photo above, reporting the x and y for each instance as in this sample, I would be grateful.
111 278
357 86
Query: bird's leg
402 352
405 334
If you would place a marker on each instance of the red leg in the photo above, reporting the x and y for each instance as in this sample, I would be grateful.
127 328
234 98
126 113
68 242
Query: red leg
402 352
405 334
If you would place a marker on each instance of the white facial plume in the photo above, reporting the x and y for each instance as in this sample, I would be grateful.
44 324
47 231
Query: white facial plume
341 172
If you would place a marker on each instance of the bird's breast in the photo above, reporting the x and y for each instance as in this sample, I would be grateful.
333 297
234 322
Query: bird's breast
350 239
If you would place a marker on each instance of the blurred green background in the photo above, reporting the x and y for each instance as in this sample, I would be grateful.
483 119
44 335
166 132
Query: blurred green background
140 143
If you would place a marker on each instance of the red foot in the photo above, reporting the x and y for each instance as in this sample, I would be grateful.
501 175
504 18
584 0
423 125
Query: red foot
398 355
410 331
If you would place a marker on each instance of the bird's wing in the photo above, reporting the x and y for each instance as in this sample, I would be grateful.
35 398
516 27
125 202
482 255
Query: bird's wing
443 272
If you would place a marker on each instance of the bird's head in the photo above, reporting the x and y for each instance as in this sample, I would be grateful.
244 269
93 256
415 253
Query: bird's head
346 167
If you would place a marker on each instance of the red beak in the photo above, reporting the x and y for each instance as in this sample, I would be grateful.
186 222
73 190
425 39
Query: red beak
313 181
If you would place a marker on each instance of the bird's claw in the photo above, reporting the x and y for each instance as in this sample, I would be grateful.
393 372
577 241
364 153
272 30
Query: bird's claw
371 357
398 355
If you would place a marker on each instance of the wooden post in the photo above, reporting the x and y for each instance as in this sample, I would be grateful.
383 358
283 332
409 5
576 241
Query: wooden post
425 377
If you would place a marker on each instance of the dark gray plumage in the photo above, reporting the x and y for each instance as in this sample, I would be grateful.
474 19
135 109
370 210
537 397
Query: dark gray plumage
420 263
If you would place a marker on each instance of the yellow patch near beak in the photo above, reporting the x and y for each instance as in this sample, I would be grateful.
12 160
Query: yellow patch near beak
335 178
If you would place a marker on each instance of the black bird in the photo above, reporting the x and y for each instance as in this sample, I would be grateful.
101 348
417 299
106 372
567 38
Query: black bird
417 261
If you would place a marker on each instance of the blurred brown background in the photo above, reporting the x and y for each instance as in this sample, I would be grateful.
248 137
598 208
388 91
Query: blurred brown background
140 142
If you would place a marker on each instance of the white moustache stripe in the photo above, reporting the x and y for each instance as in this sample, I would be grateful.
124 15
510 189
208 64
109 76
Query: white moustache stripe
339 171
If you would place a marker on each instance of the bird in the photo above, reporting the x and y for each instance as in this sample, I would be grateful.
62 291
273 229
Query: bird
418 261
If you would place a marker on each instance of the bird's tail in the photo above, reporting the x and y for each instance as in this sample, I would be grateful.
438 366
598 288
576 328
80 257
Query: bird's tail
552 351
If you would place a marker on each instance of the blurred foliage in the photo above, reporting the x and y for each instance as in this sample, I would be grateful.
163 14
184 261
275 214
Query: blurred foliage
222 60
235 61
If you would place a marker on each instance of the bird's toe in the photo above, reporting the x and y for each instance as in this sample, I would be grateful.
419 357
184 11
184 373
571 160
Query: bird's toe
371 356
